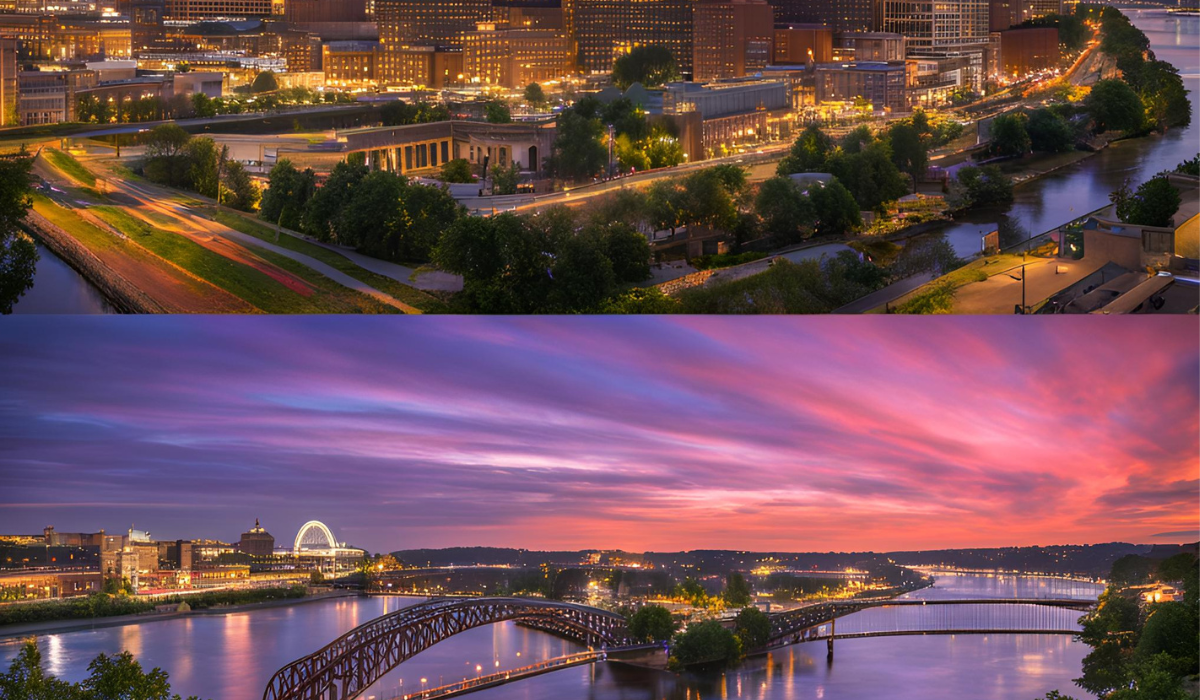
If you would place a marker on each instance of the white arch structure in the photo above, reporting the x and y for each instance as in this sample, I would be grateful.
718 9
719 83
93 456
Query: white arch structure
331 544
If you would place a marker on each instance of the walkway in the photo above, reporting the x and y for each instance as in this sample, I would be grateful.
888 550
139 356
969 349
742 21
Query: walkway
467 685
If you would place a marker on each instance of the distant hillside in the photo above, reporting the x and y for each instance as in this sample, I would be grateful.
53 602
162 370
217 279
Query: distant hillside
1088 560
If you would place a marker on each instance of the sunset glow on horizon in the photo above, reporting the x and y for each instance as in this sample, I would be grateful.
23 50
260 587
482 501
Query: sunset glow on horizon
812 434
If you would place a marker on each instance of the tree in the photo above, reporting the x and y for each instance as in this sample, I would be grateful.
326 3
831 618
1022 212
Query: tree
579 151
651 66
288 191
241 192
787 213
1153 204
705 643
166 141
457 170
505 180
264 82
204 160
753 628
18 254
1171 628
737 591
908 151
1049 132
582 275
1112 104
641 301
117 677
26 679
808 152
535 95
628 250
203 106
399 113
1190 167
1009 136
870 175
980 187
505 264
497 112
325 205
857 139
837 213
652 623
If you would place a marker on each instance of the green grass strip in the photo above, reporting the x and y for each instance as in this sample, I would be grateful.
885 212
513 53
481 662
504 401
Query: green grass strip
241 280
66 163
397 290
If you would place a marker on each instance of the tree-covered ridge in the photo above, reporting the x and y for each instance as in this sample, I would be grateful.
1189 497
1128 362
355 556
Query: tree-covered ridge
1144 646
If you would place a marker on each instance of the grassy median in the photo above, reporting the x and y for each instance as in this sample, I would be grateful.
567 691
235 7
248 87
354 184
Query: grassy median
254 286
397 290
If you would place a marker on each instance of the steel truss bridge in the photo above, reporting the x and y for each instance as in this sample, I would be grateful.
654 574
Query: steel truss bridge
353 662
893 617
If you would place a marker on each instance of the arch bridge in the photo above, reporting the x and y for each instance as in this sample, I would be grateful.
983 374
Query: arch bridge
353 662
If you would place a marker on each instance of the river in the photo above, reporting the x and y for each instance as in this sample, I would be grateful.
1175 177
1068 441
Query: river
1055 199
231 657
59 289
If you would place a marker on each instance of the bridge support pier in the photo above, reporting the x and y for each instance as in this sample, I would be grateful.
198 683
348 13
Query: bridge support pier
832 633
829 656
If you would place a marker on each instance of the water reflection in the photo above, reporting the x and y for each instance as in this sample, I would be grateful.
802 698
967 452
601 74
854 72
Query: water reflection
59 289
1083 187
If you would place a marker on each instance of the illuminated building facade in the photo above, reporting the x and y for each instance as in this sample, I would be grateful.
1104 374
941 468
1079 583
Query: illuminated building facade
838 15
795 44
444 22
731 38
602 30
511 57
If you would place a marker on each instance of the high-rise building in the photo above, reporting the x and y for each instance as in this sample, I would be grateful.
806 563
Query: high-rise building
731 38
1003 14
321 11
937 26
497 54
201 10
602 30
1026 50
436 22
798 43
257 542
146 27
1036 9
875 46
839 15
420 65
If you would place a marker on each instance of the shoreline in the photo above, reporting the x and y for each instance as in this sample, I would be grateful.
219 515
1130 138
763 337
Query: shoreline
118 292
36 629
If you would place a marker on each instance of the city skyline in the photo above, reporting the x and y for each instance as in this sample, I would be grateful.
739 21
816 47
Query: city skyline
587 433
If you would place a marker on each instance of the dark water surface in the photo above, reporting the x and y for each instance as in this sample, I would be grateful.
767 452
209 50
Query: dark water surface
231 657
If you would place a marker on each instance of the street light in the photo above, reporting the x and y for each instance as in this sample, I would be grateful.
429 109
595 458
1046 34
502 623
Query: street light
1023 309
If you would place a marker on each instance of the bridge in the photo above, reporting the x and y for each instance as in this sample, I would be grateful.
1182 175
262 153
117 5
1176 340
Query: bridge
350 664
894 617
354 662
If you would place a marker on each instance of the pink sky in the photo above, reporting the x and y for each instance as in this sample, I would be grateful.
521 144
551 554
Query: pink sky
798 434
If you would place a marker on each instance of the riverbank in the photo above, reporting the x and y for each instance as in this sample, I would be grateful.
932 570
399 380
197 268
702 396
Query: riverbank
31 629
116 290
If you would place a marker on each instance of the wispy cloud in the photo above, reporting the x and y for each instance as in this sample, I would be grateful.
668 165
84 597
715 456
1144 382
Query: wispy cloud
642 433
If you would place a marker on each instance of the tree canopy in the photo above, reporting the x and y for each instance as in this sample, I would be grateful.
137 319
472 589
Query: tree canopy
18 254
650 65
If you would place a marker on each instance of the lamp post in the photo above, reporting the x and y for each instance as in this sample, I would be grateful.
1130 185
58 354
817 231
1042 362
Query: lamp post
1023 309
